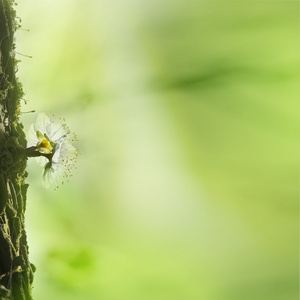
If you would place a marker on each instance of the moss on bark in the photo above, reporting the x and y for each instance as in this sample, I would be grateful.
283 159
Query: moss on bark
16 272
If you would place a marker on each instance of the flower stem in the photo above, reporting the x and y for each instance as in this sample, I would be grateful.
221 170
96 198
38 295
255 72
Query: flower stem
33 152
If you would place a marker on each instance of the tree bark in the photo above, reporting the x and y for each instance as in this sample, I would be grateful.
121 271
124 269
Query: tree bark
16 272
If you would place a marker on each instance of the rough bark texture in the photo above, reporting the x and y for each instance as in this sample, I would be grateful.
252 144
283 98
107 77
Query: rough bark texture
16 272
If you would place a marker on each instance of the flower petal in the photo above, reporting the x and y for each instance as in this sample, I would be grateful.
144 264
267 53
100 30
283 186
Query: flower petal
32 138
41 123
56 155
49 175
56 132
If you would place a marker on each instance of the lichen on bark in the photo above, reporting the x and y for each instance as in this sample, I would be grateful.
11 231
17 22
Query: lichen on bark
16 272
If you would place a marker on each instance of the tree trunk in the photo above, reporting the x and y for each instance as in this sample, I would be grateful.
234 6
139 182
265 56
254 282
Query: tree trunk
16 272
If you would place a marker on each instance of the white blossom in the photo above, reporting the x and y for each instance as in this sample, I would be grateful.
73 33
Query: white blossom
53 140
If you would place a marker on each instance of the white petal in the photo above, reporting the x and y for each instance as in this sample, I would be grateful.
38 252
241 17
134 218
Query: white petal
56 154
41 123
67 149
48 177
32 138
56 132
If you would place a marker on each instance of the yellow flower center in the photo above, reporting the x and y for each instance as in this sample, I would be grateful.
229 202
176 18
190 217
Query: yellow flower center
44 146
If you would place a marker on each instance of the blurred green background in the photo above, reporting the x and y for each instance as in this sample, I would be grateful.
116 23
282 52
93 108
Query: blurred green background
187 115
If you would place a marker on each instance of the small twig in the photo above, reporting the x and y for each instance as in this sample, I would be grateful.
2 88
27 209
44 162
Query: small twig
29 56
27 112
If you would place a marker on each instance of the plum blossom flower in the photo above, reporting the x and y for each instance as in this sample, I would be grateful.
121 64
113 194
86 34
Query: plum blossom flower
51 142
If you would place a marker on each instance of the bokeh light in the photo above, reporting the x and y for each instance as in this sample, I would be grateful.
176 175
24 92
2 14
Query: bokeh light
187 116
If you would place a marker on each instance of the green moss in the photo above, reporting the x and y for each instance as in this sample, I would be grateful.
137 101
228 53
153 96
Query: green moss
16 274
